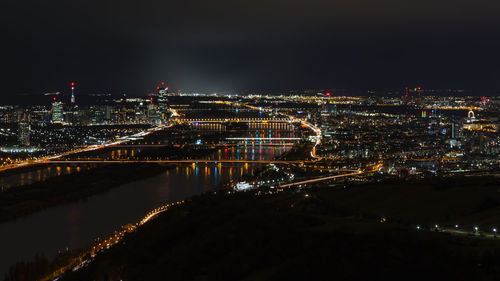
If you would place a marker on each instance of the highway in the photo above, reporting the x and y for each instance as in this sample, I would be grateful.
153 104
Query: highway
87 255
119 141
351 173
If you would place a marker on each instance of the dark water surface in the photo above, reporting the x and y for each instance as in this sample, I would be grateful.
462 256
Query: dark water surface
77 224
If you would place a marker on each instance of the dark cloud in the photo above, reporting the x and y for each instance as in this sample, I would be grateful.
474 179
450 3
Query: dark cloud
127 46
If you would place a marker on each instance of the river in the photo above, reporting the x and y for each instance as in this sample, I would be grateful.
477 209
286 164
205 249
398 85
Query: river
38 174
77 224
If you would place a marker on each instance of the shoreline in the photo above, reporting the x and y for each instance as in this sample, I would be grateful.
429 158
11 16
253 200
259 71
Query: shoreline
311 215
29 199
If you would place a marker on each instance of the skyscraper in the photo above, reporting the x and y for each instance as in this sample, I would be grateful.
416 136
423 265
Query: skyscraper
153 113
23 133
162 103
97 116
57 112
455 131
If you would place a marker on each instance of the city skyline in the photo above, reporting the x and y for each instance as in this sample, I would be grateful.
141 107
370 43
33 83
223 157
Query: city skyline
268 140
135 161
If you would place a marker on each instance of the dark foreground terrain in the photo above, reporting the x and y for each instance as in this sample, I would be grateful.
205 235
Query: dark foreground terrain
364 232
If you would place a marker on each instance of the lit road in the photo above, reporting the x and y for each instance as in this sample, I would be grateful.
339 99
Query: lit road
87 255
119 141
352 173
472 232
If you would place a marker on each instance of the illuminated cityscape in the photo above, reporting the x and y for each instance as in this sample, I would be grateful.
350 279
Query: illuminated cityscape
262 140
264 144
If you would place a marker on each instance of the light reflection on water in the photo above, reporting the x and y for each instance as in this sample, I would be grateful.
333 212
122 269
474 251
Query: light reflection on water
76 224
39 175
251 152
251 149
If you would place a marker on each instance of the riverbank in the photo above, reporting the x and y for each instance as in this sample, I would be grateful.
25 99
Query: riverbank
28 199
21 201
313 234
20 170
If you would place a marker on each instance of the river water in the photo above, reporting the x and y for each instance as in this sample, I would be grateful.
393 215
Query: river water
38 175
77 224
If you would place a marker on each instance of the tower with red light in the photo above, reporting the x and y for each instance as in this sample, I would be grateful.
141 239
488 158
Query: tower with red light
73 100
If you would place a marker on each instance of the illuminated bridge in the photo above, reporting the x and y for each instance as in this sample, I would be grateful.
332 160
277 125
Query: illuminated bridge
265 139
174 161
235 144
346 172
228 120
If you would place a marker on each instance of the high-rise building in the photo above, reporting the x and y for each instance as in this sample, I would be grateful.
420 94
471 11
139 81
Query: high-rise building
97 116
154 114
332 108
23 133
107 113
455 131
162 104
57 112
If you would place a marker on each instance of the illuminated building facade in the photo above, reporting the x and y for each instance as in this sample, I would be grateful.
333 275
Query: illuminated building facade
57 112
23 135
163 104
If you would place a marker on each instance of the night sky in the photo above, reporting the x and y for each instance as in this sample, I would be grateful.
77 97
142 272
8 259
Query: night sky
198 45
